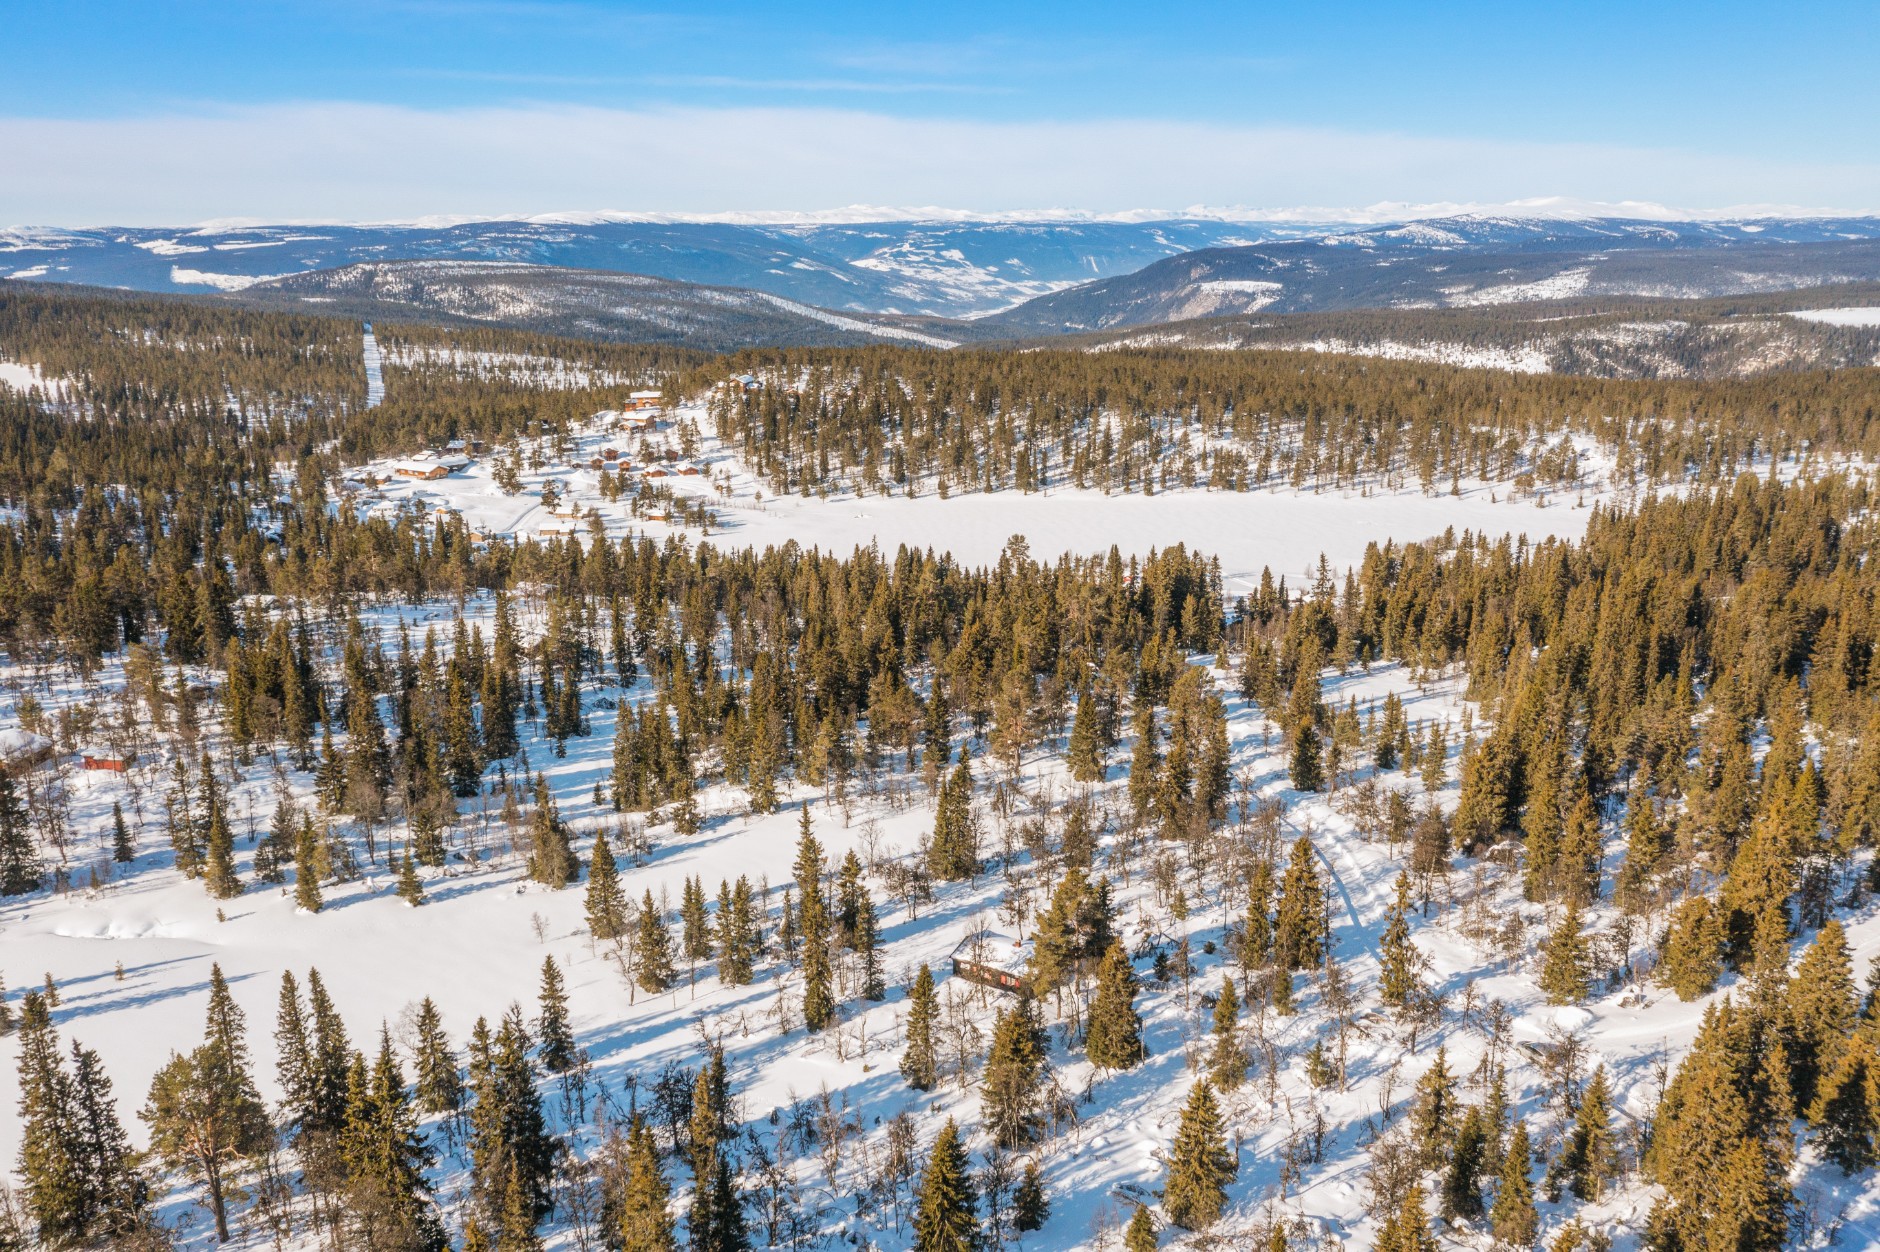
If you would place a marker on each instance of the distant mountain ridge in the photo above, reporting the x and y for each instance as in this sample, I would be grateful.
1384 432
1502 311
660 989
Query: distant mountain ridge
1465 262
953 269
945 267
589 304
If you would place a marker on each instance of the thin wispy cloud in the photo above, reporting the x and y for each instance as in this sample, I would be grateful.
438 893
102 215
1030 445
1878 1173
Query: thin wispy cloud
339 161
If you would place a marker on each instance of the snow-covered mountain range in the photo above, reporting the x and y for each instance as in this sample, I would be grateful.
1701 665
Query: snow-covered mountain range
953 266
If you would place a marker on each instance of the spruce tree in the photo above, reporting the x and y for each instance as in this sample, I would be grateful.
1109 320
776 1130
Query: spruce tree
694 924
1088 748
1305 770
920 1059
118 1190
219 869
1846 1111
410 886
1400 962
512 1154
953 852
1299 930
645 1222
606 905
653 948
1199 1166
123 847
1590 1160
946 1215
1013 1081
551 859
306 874
388 1199
1693 953
1227 1059
1565 972
1820 1009
20 870
554 1038
819 1006
1462 1183
1433 1115
50 1168
1114 1037
1139 1235
1031 1207
1407 1229
439 1085
1514 1218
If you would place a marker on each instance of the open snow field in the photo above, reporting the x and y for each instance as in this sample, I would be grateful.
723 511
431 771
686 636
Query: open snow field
1284 529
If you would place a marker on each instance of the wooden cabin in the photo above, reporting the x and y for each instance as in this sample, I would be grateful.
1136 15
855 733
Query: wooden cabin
115 762
993 960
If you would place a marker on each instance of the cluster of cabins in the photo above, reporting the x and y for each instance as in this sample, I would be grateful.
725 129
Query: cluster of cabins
22 750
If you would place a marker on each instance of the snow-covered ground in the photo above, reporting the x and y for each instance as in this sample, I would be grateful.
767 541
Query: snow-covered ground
1524 360
1869 316
22 376
479 942
1284 529
375 370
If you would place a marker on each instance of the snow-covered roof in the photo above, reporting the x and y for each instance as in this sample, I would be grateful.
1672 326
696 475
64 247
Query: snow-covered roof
18 741
993 950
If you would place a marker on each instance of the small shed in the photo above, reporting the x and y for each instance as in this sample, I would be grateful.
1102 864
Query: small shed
993 960
105 759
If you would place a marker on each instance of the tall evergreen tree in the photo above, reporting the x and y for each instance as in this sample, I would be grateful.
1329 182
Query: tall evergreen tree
551 858
1408 1229
946 1217
1565 972
1139 1235
1514 1218
1114 1037
1031 1207
1590 1160
1819 1010
388 1199
953 853
123 846
554 1037
1400 963
1227 1059
1013 1081
1462 1182
1299 929
606 905
1199 1166
439 1085
819 1006
20 871
1693 953
645 1222
653 948
307 859
920 1059
219 869
203 1112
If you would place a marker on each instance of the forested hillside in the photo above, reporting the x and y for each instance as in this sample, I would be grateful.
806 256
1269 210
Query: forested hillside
371 880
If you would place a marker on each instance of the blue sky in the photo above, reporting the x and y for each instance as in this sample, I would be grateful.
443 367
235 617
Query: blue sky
140 112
